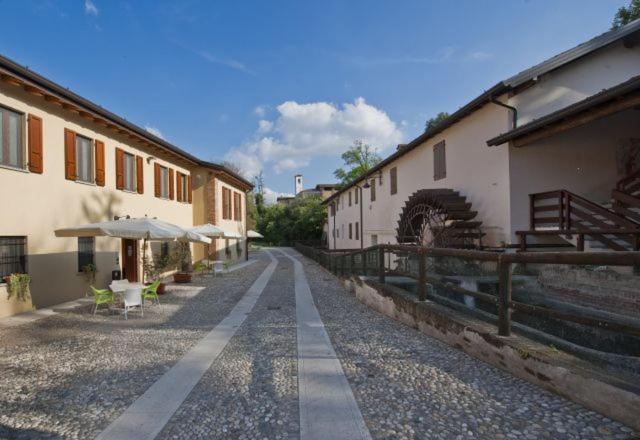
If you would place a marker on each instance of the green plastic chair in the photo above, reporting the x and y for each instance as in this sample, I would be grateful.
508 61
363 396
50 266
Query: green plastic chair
101 296
151 292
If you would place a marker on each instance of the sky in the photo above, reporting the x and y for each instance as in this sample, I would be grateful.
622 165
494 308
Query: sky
284 87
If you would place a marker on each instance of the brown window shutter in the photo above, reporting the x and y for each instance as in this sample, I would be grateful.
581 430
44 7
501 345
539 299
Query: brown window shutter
35 144
171 183
119 169
394 180
140 175
100 171
189 188
156 179
69 154
179 186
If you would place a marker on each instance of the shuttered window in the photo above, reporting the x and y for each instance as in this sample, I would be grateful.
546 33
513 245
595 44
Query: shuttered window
171 184
189 190
356 191
237 206
349 198
11 146
372 182
439 161
357 231
163 174
119 169
139 175
35 144
226 204
84 159
350 231
100 167
129 172
393 174
179 186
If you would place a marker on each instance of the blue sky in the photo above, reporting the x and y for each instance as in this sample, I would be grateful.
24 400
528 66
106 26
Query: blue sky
286 86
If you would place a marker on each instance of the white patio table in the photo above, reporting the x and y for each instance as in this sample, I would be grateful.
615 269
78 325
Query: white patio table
119 289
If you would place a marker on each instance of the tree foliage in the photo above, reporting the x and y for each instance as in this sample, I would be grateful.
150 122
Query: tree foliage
626 14
432 122
303 219
359 159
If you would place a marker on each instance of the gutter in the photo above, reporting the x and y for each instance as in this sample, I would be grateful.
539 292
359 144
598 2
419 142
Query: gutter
514 111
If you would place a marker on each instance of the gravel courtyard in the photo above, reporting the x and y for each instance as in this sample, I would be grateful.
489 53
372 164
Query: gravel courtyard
69 376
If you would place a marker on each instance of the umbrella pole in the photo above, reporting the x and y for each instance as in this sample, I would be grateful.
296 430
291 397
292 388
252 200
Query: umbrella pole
144 258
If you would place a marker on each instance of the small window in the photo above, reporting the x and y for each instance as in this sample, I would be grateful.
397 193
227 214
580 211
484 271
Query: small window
86 252
357 230
84 159
349 198
372 182
11 147
350 231
130 181
393 174
439 161
374 240
13 255
356 194
164 182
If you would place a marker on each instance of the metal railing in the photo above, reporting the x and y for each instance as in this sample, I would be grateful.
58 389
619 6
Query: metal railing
428 266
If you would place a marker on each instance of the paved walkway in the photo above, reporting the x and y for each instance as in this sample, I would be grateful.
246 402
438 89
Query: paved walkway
274 350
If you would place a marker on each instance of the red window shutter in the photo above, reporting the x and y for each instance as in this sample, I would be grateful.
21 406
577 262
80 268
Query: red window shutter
156 179
189 188
140 175
69 154
35 144
179 186
100 169
119 169
171 184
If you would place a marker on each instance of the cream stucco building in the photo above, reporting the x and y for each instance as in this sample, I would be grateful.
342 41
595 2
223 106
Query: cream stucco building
537 154
65 161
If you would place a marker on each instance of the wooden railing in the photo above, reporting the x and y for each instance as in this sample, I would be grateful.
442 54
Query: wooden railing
386 260
562 212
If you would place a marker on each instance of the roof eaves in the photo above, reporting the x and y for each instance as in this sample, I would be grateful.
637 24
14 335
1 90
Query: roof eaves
219 167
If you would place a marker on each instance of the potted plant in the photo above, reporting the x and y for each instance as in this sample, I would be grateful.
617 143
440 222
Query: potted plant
89 271
18 286
182 259
153 270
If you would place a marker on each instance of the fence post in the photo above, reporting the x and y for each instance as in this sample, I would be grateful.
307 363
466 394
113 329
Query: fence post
504 298
422 277
381 276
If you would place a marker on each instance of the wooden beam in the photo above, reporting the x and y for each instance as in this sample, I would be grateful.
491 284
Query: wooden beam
33 90
10 80
70 107
53 99
86 115
623 103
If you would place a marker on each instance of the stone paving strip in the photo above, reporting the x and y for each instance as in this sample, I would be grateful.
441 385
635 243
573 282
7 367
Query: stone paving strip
328 409
410 386
146 417
251 390
69 375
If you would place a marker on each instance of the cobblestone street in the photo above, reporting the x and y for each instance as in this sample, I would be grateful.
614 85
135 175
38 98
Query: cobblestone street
74 375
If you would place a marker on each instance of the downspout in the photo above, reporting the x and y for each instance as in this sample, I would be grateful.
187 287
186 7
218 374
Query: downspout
335 214
514 111
361 225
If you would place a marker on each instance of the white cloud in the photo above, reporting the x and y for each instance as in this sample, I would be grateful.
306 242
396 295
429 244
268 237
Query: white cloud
271 196
260 111
90 8
154 131
302 132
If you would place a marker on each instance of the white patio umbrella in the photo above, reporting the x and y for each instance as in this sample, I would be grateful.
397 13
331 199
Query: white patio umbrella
253 234
208 230
231 234
136 229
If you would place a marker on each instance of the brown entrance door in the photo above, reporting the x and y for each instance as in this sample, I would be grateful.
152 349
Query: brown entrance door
130 259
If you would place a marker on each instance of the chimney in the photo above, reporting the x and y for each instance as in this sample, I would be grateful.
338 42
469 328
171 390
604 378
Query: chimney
298 182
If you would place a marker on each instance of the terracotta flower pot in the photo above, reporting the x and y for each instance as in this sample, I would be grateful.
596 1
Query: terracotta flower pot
182 277
161 288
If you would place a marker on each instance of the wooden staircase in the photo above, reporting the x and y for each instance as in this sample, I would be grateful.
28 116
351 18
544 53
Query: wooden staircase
585 224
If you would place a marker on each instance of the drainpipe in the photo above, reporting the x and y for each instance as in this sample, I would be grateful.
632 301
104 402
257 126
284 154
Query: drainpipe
514 111
335 214
361 225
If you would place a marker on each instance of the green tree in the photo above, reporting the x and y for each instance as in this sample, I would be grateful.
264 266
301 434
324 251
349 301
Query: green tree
626 14
258 192
359 159
304 219
432 122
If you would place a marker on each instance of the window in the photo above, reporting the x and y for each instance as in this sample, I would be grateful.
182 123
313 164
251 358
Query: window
86 251
226 204
13 256
349 198
129 172
237 206
374 240
84 159
164 182
373 189
11 149
356 194
184 188
439 161
393 174
350 231
357 231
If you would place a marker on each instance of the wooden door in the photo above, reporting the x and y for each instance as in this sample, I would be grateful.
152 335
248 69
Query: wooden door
130 260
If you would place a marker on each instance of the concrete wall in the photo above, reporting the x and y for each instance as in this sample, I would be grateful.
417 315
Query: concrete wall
476 171
34 205
576 81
